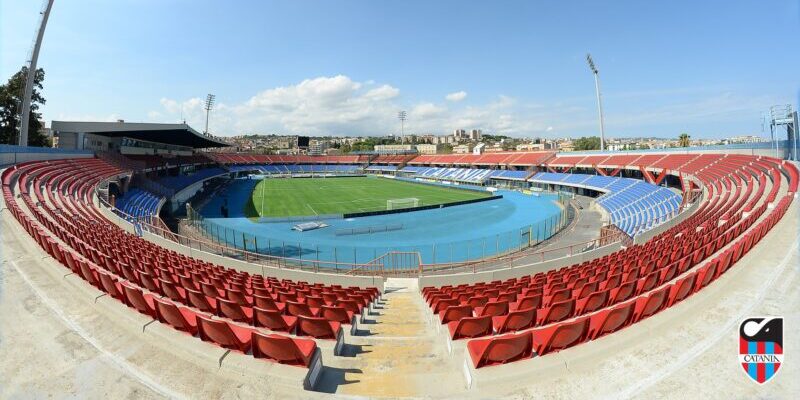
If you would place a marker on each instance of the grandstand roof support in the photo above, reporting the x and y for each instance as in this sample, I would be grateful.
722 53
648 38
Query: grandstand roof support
647 175
661 175
615 172
600 171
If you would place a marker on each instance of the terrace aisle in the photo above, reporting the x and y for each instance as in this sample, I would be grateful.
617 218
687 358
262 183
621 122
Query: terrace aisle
397 353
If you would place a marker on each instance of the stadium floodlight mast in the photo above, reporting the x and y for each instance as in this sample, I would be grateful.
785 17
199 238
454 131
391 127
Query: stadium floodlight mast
29 80
209 105
402 117
599 102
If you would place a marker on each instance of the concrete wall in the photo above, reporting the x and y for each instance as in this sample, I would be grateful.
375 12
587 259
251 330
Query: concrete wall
16 158
516 271
183 195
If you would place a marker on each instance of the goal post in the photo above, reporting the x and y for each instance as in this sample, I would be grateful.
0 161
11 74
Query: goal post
396 204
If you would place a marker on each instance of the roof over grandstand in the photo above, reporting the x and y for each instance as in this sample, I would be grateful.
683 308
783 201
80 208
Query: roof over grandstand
174 134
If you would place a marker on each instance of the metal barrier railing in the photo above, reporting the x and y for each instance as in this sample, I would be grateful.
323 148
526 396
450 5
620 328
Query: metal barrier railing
389 263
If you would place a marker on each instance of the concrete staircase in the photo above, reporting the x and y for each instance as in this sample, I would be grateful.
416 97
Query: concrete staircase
397 353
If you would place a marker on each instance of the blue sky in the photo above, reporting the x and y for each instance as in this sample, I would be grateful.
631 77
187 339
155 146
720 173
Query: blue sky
710 68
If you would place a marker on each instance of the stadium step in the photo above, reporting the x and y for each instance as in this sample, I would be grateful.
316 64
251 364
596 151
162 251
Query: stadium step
397 352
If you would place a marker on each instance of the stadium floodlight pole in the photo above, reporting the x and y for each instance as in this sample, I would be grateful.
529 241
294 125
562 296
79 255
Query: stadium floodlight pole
599 102
30 79
209 104
402 117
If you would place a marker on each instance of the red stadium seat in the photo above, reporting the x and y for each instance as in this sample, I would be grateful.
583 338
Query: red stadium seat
651 304
624 292
682 289
315 301
284 350
201 301
89 274
559 336
455 313
515 320
611 319
267 303
650 281
231 309
442 304
557 296
174 292
337 314
470 327
239 297
297 309
530 301
111 286
492 308
273 320
350 305
316 327
226 335
556 312
477 301
592 302
500 349
143 302
181 318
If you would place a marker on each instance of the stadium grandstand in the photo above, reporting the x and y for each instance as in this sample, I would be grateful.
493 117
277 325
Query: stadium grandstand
154 260
653 242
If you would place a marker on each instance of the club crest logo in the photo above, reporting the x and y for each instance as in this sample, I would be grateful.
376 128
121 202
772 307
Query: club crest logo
761 347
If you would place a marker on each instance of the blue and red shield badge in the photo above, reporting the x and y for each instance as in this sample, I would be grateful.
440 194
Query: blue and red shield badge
761 347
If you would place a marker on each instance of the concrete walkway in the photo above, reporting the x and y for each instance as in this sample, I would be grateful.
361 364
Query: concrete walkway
397 353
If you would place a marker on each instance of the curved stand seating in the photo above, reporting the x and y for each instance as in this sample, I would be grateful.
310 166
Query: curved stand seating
138 203
227 158
515 319
592 299
634 206
285 169
468 175
201 299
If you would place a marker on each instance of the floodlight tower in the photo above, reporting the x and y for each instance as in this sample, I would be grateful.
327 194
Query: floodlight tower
599 102
402 117
782 116
29 81
209 105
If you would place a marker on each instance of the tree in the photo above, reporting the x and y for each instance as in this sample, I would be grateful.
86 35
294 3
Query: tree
587 143
10 104
684 140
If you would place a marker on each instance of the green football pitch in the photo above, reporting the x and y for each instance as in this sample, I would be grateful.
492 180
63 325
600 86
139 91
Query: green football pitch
321 196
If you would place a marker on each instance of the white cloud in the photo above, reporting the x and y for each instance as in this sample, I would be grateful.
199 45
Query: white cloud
384 92
456 97
426 111
339 105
